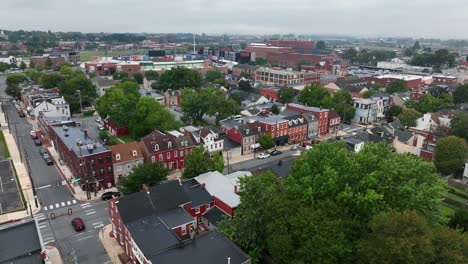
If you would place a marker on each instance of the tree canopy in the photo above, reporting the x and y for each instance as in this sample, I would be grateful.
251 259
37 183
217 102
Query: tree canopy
266 141
442 58
51 80
286 94
69 87
13 81
459 220
149 174
408 117
138 77
151 75
179 78
397 86
4 66
198 161
320 45
459 125
461 94
323 208
213 75
450 155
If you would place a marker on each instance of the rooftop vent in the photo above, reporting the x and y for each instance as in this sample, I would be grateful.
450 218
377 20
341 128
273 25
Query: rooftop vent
79 142
66 135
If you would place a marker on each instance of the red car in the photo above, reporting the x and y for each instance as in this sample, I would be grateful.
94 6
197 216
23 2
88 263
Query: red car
33 135
78 224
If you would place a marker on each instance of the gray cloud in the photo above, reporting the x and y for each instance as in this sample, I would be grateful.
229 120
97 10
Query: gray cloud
415 18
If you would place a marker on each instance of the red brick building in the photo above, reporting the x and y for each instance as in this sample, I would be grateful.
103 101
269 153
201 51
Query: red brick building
152 225
263 50
276 126
412 81
168 148
270 93
444 79
293 59
129 67
291 43
116 130
101 68
297 125
41 60
320 113
239 69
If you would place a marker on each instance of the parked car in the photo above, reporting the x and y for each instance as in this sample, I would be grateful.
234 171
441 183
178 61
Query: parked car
98 120
42 151
33 135
49 161
101 127
45 156
37 142
275 152
78 224
21 114
263 156
295 147
108 195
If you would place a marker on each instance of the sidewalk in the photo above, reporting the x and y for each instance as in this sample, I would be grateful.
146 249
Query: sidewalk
23 178
53 255
67 176
111 245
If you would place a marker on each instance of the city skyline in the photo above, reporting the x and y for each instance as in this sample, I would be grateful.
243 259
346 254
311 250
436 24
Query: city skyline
365 18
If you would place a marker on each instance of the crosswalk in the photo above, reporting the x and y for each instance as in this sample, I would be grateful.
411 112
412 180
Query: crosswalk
60 204
44 228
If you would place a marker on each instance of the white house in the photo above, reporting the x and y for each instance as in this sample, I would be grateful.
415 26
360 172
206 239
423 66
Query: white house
432 121
51 107
205 136
7 59
366 111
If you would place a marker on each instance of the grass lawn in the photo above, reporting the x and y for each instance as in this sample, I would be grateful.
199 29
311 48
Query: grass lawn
6 152
86 55
456 198
126 139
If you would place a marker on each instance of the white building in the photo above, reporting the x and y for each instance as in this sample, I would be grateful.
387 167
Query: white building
205 136
432 121
366 111
7 59
51 107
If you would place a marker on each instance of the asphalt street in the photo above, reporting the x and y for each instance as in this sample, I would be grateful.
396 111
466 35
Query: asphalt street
287 157
54 197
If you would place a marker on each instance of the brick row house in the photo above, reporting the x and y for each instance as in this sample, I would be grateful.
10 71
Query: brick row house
322 115
168 148
163 225
297 126
125 158
274 125
88 159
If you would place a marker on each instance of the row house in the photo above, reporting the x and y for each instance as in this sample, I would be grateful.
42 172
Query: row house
335 121
366 111
164 224
129 67
54 106
276 126
168 148
207 137
172 98
125 158
321 114
444 79
297 126
87 158
246 135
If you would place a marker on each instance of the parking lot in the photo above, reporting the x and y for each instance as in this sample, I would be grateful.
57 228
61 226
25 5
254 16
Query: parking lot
9 194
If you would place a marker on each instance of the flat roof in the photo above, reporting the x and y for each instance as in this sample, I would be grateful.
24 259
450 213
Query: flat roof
399 76
77 141
18 240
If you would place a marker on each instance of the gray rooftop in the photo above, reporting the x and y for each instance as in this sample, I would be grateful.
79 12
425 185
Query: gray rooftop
308 108
76 140
269 119
18 241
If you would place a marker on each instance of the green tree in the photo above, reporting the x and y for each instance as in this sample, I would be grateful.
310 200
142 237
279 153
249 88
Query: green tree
461 94
150 115
48 64
274 109
416 46
236 97
198 161
248 228
398 237
321 45
459 125
151 75
69 88
179 78
32 65
120 76
213 75
4 67
266 141
450 155
459 220
244 85
138 77
260 61
34 75
13 81
51 80
39 67
67 71
395 110
119 102
350 54
409 116
450 246
286 94
313 95
342 103
149 174
397 87
369 93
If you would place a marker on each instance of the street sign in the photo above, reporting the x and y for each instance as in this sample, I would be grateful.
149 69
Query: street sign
76 180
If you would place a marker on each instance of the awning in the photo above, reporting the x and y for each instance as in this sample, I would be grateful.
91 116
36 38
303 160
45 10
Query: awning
254 146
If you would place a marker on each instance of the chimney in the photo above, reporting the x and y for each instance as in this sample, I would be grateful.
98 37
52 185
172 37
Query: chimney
203 186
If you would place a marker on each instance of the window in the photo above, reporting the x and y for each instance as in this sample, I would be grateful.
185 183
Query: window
160 157
156 147
100 160
134 153
184 230
108 158
92 162
169 144
101 171
170 165
181 153
176 152
197 210
109 169
207 206
168 155
153 159
117 156
94 173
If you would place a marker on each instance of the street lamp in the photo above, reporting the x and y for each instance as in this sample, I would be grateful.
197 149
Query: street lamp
81 104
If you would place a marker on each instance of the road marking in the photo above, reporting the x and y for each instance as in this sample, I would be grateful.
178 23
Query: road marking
68 203
42 226
90 213
85 204
97 223
42 187
57 205
63 203
39 217
45 208
83 238
51 207
1 183
99 226
89 210
74 201
49 241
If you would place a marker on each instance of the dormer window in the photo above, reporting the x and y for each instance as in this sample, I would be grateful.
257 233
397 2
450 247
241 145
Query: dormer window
169 144
186 143
117 156
156 147
134 153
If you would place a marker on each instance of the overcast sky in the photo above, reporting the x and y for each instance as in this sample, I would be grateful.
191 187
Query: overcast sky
413 18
